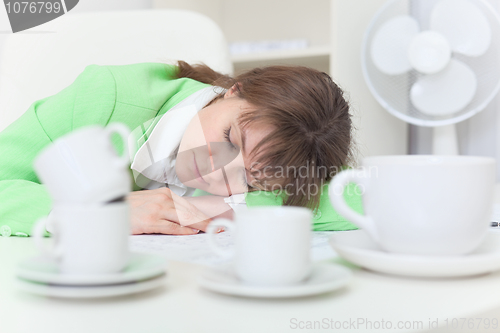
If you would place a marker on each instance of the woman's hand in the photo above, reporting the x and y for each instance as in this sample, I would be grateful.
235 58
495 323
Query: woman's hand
164 212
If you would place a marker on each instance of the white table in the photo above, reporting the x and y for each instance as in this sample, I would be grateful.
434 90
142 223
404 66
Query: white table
182 306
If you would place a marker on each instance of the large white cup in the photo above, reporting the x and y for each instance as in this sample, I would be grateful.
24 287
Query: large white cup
272 244
90 239
423 205
83 167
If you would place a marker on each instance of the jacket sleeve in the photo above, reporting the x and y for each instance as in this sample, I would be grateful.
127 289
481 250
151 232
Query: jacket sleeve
23 199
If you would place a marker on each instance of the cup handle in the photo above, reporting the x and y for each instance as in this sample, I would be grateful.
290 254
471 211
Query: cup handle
124 133
38 235
212 230
341 180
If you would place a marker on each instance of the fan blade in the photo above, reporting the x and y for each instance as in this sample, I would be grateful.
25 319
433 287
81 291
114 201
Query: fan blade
446 92
389 48
464 25
429 52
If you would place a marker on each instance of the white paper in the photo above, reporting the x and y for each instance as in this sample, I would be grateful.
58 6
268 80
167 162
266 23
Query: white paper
195 249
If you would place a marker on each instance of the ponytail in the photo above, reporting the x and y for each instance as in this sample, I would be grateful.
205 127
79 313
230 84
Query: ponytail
204 74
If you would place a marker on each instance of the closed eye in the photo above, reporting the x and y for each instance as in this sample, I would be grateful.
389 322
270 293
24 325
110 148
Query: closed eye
227 133
227 137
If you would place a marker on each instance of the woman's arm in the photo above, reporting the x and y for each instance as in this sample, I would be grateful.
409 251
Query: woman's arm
212 206
164 212
22 198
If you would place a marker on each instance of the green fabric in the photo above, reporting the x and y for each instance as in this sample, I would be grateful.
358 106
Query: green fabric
130 94
200 193
325 218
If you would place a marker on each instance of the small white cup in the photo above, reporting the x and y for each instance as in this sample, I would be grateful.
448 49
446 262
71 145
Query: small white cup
272 244
90 239
423 205
83 167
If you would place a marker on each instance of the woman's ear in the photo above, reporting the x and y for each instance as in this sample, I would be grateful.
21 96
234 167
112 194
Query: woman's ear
232 91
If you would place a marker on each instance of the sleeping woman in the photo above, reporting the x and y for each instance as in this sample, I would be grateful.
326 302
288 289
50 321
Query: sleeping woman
203 143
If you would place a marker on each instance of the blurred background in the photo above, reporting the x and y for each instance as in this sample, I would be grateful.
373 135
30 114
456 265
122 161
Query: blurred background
326 35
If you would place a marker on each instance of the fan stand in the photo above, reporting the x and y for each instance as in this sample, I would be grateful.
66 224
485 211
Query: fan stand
445 140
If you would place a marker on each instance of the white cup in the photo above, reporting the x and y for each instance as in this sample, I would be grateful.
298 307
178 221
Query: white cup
83 167
90 239
272 244
423 205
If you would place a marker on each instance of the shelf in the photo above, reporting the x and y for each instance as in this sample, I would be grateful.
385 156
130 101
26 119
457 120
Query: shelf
310 52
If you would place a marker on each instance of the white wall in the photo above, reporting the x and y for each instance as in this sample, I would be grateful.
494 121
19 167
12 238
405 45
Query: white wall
82 6
210 8
104 5
5 29
379 133
244 20
7 116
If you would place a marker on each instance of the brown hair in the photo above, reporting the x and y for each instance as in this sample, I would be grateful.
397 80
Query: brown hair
311 115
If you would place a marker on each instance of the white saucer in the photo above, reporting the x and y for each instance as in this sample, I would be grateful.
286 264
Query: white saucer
66 291
46 270
323 278
357 247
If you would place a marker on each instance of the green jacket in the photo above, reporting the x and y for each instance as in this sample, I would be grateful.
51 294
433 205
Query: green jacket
130 94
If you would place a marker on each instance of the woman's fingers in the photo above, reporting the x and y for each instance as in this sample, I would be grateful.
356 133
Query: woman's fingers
168 228
150 210
186 214
201 225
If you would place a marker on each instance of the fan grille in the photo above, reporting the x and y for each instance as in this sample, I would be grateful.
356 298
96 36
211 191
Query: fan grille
393 91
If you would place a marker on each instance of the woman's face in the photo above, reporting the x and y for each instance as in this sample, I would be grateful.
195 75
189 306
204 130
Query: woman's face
211 155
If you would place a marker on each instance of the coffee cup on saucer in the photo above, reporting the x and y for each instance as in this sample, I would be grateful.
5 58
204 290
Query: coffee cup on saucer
89 239
421 205
88 182
272 245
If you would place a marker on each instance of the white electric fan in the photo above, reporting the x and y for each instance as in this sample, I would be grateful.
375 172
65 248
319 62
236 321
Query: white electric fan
434 62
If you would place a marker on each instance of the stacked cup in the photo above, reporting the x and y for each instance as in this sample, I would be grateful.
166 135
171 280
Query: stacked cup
88 182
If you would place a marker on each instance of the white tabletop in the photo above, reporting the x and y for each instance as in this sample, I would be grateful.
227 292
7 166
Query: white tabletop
182 306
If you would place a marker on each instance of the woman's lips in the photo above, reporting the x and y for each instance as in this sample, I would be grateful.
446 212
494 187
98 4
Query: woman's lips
199 178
